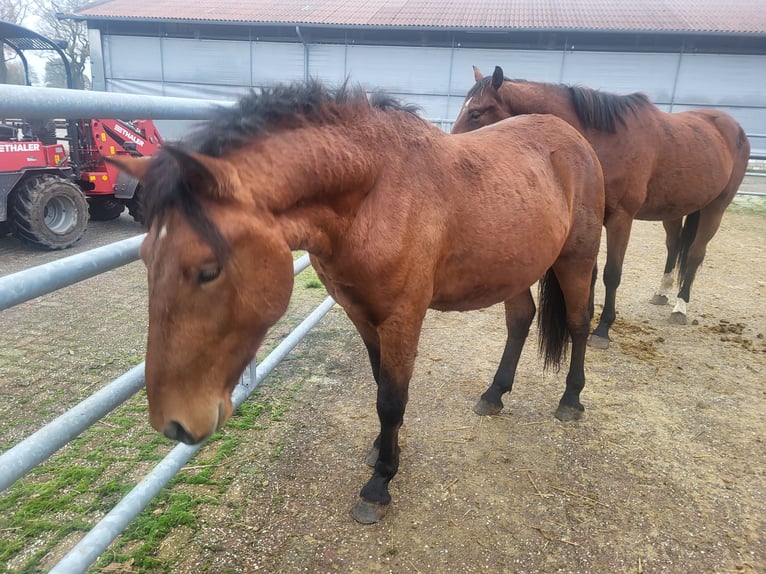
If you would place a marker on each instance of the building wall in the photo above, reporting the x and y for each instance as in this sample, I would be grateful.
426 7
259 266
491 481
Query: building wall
435 78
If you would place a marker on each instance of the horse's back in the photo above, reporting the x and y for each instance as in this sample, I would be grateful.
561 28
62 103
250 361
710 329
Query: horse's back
520 189
709 126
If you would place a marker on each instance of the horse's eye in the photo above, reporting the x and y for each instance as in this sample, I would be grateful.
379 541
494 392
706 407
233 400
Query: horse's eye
208 273
475 114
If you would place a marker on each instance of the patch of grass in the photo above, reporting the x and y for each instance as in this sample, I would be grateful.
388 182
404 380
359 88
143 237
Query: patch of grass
310 280
312 283
748 204
167 511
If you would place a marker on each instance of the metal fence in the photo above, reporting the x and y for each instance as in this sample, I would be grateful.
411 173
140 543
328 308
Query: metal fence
31 283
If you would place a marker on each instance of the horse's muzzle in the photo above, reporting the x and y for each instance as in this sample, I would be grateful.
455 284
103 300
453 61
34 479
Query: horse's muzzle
176 431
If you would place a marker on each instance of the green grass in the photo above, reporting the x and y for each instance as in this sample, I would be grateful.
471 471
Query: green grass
64 494
749 204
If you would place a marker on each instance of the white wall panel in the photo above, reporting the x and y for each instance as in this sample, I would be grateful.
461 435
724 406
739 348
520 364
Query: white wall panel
622 73
206 61
717 79
400 69
537 65
275 62
327 63
132 58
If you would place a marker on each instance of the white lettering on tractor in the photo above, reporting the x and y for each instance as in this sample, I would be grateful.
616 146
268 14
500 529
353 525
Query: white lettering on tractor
22 146
132 137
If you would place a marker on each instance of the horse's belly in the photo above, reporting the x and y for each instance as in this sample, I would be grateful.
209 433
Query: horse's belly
482 283
677 195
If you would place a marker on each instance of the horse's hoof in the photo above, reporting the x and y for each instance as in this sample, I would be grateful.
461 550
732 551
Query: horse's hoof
368 512
659 300
598 342
485 408
372 457
678 318
569 413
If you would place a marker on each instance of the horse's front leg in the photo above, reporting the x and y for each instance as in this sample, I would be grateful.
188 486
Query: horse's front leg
398 347
519 313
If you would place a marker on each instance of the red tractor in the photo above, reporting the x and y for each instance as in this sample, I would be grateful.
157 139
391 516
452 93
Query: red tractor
49 189
108 189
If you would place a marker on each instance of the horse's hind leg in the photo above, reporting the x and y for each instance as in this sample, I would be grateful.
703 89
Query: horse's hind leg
574 284
519 313
673 245
709 222
618 226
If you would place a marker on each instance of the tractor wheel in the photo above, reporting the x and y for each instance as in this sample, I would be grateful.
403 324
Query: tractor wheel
136 206
49 212
104 208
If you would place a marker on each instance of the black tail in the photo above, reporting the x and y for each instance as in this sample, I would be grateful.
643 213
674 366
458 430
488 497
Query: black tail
688 233
552 333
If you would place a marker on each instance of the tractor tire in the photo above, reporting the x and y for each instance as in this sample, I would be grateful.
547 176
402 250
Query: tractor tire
105 208
136 206
48 212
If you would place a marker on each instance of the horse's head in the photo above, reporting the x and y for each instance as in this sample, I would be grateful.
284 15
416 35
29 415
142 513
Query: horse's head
220 274
484 103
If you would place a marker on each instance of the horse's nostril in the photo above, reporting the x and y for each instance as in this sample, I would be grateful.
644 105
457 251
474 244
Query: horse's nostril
175 430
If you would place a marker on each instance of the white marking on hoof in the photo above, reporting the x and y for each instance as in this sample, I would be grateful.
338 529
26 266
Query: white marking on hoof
665 285
680 306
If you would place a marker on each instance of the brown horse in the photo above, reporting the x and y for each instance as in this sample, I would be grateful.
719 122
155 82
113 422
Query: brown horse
657 166
397 216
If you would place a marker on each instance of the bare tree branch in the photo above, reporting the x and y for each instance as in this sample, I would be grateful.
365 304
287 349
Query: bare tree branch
74 33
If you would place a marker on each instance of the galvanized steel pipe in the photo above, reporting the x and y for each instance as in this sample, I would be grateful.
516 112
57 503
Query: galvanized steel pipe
40 103
35 281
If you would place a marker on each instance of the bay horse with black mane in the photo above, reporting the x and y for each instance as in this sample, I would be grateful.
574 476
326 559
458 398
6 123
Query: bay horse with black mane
657 166
397 217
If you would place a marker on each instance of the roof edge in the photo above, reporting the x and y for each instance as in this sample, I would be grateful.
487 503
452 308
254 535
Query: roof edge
475 29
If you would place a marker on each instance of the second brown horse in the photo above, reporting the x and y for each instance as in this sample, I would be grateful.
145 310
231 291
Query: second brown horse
657 166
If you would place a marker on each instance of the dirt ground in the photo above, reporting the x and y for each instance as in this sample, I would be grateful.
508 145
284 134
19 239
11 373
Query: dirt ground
666 472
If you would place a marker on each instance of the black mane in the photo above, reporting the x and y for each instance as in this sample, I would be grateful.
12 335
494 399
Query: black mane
594 109
284 106
601 110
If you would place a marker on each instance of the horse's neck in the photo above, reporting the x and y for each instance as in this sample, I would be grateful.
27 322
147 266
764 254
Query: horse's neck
540 98
322 175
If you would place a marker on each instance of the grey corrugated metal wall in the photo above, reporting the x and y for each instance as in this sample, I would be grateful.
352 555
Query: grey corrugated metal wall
434 78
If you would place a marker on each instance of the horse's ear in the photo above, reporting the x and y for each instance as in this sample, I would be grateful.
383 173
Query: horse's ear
477 75
135 166
497 78
199 171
